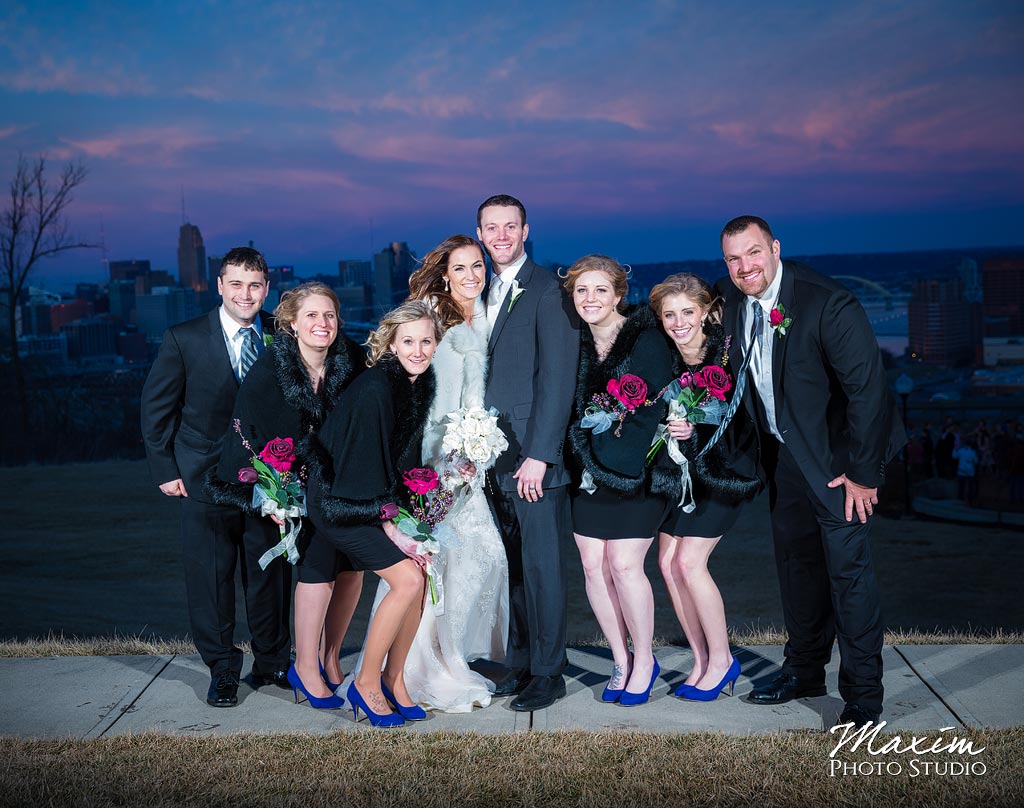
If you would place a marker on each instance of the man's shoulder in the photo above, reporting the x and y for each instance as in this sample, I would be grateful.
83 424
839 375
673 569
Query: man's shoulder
807 275
196 326
542 277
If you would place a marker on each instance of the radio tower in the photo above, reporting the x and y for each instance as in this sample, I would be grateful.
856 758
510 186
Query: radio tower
104 258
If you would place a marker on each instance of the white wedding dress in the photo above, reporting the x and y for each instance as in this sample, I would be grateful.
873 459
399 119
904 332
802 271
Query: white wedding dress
472 563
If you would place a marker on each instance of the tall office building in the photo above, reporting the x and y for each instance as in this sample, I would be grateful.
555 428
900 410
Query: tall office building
1003 282
191 258
213 271
355 272
939 316
128 270
392 267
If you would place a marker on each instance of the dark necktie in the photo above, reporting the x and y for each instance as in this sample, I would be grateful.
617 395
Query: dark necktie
249 352
756 330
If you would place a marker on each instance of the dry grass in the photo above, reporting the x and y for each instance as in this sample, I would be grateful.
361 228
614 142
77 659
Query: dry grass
120 644
454 769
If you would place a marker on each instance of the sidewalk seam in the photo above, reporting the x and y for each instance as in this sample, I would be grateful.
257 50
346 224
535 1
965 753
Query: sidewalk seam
122 711
949 701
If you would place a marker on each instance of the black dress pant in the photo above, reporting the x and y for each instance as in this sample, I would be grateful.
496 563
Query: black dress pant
534 534
214 539
827 581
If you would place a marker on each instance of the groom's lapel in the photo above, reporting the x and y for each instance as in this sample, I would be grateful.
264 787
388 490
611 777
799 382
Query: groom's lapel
523 279
786 298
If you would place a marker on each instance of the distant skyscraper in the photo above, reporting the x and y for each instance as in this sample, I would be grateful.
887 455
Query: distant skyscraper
1003 281
355 272
213 271
191 258
940 322
128 270
392 267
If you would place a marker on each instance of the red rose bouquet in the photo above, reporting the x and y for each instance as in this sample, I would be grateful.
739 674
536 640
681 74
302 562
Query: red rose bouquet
624 395
277 491
696 397
429 504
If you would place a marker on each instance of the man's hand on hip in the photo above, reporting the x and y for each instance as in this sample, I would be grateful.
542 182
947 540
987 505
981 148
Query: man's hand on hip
857 496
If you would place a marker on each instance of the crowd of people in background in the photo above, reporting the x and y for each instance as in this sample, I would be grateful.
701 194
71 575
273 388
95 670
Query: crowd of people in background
985 458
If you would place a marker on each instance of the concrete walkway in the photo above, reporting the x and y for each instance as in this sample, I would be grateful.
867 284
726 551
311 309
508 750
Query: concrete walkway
927 687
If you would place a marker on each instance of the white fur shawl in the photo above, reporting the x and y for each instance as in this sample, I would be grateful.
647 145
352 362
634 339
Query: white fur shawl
460 365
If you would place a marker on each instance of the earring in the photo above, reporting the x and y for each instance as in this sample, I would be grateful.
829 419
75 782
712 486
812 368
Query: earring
446 284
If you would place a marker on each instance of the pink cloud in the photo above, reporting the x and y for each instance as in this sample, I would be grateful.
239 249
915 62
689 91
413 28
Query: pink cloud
160 145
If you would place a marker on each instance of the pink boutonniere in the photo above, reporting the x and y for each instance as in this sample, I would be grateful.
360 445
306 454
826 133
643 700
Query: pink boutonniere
779 321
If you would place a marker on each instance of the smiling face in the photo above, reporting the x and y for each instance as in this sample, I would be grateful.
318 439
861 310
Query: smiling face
752 259
595 298
503 234
316 323
681 318
242 293
414 345
465 274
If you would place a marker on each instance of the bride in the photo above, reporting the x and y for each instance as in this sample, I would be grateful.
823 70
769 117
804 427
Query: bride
472 563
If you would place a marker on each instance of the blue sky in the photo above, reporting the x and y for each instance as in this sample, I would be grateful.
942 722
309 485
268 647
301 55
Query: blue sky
322 130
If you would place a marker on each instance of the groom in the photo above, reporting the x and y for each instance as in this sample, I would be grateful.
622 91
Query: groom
533 352
827 426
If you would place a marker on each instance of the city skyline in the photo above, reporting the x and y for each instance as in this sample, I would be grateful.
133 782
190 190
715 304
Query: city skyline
322 135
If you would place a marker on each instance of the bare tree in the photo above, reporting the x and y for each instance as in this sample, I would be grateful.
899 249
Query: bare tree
33 227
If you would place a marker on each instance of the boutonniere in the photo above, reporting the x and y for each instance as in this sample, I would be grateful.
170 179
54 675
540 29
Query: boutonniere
268 340
513 296
779 321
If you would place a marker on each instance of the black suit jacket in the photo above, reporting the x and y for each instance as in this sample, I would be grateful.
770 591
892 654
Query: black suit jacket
533 353
187 402
833 405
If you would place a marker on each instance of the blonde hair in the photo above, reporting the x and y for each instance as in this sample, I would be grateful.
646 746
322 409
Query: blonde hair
695 288
599 263
291 301
379 340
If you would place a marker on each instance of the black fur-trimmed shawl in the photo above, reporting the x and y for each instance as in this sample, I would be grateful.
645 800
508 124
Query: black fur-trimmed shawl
277 400
370 438
619 463
714 471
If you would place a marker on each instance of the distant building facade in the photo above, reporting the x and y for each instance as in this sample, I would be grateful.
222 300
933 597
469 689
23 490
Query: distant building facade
392 267
940 322
191 258
1003 282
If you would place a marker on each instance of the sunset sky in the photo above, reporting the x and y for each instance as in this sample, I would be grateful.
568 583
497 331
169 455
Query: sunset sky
323 130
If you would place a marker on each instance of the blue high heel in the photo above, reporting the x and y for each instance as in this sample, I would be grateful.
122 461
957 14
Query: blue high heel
611 696
323 675
376 719
691 693
414 713
332 702
632 699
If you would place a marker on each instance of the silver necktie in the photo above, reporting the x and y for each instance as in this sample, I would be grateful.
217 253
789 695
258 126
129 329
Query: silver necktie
249 352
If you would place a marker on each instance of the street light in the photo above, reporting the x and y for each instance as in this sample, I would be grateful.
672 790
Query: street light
904 386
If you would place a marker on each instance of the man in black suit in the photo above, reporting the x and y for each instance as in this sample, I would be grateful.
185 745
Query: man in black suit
533 353
186 411
827 424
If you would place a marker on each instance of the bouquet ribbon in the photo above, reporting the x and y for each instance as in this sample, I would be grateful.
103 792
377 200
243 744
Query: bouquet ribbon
289 531
676 454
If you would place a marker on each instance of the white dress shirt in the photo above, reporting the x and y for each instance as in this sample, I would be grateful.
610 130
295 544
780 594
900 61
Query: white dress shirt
761 362
233 338
507 275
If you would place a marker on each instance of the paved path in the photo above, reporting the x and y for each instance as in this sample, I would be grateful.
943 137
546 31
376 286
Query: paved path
928 687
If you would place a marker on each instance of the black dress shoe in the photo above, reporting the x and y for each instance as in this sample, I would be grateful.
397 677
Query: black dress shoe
856 715
541 692
259 678
223 690
513 683
785 687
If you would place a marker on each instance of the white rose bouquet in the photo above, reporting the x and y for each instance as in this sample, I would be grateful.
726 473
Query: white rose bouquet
473 433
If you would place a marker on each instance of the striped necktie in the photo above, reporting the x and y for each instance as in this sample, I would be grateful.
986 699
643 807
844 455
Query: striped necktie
756 331
249 351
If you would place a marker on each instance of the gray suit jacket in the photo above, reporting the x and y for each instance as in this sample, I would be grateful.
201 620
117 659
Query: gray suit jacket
533 355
